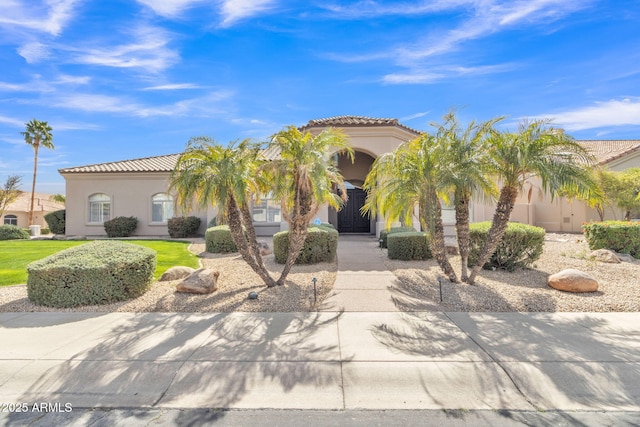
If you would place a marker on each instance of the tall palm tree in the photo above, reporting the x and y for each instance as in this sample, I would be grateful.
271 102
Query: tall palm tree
37 134
410 175
208 174
466 172
304 177
535 150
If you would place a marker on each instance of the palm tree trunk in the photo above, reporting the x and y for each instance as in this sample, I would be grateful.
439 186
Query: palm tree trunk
499 225
435 228
298 231
237 233
36 145
251 236
461 202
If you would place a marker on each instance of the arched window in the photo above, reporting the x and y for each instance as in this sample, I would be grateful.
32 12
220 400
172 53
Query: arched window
161 207
99 208
10 220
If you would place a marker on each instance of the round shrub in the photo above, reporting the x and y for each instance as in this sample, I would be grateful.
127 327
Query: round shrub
408 245
521 245
100 272
183 226
12 232
56 221
320 245
619 236
218 240
121 226
385 233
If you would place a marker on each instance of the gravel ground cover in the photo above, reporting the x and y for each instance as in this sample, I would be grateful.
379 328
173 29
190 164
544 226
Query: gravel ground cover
416 288
523 290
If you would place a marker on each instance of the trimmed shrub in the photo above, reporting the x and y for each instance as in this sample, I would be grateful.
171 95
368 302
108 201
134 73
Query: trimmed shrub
218 240
13 232
385 233
183 226
100 272
45 231
56 221
619 236
521 246
408 245
320 245
121 226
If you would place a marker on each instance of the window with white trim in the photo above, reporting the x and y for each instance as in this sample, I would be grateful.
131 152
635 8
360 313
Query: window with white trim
10 220
99 208
266 210
161 207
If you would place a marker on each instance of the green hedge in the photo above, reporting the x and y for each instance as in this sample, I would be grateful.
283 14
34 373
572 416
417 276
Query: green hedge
13 232
218 240
385 233
121 226
56 221
99 272
320 245
408 245
619 236
521 245
182 226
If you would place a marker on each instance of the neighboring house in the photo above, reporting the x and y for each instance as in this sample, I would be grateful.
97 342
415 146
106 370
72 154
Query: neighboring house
96 193
17 213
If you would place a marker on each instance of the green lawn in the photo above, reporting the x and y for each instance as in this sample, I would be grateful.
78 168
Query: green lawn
16 254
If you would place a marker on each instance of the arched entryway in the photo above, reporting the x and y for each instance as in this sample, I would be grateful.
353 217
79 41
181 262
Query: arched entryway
350 219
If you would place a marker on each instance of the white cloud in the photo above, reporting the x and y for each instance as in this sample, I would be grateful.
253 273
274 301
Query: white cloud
11 121
169 8
622 112
74 80
49 16
34 52
441 73
236 10
173 86
148 51
414 116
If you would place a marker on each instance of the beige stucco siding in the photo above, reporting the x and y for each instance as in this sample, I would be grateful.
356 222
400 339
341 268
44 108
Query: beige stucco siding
130 194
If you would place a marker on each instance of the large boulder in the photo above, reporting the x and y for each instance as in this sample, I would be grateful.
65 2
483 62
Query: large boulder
605 255
571 280
202 281
176 273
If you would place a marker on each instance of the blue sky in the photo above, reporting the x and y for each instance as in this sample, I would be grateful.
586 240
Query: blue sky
120 79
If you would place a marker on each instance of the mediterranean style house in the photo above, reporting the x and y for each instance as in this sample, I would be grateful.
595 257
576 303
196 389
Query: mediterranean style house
139 187
17 213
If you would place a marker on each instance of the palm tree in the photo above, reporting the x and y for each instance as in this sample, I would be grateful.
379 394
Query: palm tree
535 150
37 134
208 174
466 172
412 174
304 177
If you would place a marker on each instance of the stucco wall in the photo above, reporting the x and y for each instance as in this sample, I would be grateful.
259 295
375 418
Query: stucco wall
130 194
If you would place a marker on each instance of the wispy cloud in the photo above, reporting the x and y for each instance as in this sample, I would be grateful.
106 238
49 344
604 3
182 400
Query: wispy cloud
441 73
149 51
233 11
414 116
34 52
49 16
622 112
174 86
11 121
169 8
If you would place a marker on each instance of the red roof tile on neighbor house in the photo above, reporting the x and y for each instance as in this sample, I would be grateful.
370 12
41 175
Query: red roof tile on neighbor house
606 151
356 121
164 163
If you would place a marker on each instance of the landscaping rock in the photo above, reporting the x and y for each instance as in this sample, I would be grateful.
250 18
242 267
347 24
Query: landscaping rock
175 273
605 255
625 257
264 248
571 280
452 250
202 281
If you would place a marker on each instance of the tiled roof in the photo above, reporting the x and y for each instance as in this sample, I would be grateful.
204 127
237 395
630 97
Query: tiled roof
606 151
164 163
356 121
41 203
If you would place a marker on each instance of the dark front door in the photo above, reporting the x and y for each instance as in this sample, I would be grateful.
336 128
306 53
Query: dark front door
350 220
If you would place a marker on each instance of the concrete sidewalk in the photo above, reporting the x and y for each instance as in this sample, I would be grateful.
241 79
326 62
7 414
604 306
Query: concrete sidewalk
323 361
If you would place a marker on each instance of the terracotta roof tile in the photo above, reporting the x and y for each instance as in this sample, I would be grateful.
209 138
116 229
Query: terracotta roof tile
41 203
164 163
356 121
606 151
